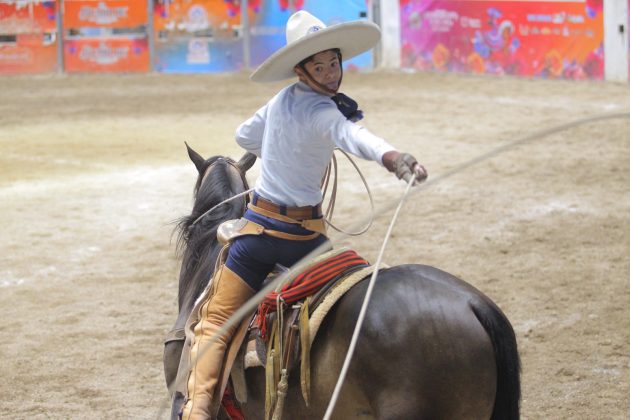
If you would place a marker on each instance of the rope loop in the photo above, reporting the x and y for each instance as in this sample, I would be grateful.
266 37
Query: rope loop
333 196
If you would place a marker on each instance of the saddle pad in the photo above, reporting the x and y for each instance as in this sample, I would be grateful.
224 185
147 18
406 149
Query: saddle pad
336 293
309 282
319 309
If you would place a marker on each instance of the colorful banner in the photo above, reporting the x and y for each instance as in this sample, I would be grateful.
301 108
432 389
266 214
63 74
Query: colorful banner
30 53
206 35
194 36
28 17
104 13
105 36
28 37
103 55
556 39
268 32
343 11
185 17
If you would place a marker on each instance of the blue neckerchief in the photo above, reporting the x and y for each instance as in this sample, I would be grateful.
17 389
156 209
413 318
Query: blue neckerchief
348 107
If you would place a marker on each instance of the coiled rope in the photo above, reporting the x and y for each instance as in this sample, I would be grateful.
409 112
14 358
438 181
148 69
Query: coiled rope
332 167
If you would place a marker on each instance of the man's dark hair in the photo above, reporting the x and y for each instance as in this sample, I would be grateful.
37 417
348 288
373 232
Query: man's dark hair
309 58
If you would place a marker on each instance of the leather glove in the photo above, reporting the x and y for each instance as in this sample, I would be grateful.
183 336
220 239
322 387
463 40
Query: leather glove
406 166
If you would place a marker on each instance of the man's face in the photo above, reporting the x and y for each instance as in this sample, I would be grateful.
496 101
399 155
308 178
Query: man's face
324 68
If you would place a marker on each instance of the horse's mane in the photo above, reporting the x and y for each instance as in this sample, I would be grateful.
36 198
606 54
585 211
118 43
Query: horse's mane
197 242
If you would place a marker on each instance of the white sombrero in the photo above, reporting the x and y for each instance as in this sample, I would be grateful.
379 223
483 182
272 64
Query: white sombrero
307 35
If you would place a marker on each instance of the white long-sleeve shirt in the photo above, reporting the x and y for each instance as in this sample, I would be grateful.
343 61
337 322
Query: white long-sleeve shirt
294 135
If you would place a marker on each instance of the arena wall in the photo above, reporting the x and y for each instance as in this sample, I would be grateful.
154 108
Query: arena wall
573 39
28 37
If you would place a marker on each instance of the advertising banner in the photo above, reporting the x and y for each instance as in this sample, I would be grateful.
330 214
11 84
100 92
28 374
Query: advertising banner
104 13
106 36
19 17
207 35
198 35
28 37
29 53
98 55
267 33
268 29
343 11
555 39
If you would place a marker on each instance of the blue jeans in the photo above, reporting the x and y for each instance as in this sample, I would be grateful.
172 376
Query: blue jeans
253 257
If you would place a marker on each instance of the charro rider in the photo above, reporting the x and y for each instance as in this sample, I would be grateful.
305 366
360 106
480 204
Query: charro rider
294 135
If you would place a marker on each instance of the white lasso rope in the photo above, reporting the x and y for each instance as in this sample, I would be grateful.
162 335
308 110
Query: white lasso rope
366 301
221 203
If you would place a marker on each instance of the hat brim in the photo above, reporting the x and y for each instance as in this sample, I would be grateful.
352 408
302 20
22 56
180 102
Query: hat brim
352 39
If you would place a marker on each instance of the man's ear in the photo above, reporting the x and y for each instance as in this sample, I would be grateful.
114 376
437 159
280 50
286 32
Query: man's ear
299 72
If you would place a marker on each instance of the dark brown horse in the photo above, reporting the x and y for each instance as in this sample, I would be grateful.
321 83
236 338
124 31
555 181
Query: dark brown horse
431 347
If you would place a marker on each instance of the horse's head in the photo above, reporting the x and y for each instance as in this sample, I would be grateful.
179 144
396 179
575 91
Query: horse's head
219 178
223 172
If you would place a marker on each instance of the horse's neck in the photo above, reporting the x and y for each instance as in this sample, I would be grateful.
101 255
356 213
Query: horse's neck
201 255
199 268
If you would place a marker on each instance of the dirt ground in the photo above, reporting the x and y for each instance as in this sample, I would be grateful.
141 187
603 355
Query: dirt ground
94 172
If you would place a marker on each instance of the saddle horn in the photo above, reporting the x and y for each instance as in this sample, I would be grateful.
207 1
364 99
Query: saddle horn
246 162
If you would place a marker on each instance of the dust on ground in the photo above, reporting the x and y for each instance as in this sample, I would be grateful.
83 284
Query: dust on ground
94 172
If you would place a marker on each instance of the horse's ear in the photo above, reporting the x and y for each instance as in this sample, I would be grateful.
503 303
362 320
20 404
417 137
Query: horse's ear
246 162
196 158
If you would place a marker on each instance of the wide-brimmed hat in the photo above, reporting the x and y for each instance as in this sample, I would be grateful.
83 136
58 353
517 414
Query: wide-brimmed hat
307 35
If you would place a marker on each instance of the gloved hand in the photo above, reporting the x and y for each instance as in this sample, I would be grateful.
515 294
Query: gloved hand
405 166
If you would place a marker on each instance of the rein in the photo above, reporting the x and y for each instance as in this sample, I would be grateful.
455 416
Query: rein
221 203
207 171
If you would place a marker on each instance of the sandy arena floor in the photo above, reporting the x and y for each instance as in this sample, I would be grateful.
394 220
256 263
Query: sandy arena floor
94 170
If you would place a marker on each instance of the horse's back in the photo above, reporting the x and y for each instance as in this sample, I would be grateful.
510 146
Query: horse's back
422 352
426 351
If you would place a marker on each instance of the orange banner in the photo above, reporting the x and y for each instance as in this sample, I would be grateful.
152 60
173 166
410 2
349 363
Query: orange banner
197 15
30 53
104 13
28 17
106 55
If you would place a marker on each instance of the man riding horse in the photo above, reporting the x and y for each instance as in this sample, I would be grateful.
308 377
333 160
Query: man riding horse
294 136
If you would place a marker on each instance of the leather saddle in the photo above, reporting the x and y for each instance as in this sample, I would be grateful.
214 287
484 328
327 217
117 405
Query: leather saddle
280 340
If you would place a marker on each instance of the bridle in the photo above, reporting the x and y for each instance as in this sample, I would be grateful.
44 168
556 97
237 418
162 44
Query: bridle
234 197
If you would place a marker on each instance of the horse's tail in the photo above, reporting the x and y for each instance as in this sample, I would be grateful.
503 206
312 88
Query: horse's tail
501 333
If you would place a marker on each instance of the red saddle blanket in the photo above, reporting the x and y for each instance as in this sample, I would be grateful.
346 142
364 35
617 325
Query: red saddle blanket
308 283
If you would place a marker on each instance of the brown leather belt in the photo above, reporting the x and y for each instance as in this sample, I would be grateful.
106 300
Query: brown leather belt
297 213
